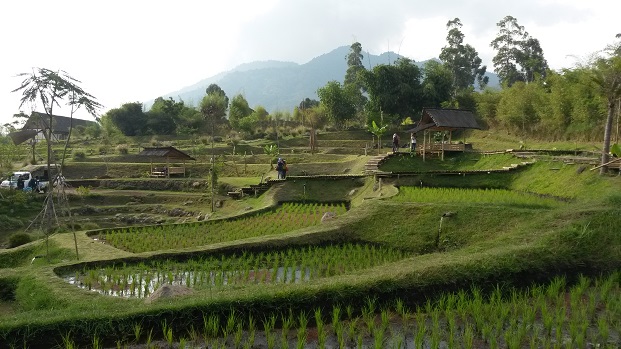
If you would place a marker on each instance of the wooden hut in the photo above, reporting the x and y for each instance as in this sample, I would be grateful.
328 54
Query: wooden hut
435 120
168 155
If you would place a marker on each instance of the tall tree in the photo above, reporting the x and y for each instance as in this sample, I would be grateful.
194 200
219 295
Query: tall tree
48 89
462 59
353 84
519 56
354 64
213 107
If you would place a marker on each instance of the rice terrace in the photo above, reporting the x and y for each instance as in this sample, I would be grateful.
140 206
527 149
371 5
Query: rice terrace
491 220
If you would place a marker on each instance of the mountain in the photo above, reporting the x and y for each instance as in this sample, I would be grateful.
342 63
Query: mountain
280 85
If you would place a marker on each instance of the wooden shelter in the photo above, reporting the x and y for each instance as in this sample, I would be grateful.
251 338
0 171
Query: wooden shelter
442 120
170 155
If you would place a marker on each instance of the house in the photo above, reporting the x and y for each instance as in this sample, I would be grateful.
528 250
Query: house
38 122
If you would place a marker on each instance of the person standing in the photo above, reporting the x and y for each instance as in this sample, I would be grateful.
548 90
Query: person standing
395 142
20 182
280 168
412 142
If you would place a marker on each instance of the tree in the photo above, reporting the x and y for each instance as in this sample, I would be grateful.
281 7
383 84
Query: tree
50 88
238 110
213 108
519 56
338 103
354 65
437 84
394 91
129 119
215 89
606 74
315 117
462 60
377 131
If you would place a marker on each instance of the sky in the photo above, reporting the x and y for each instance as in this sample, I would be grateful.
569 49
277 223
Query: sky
136 50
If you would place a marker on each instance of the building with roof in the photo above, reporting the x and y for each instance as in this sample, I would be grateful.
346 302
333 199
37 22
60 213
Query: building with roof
37 122
168 155
445 121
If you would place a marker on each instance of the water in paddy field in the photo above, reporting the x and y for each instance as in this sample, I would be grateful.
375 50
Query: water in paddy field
144 284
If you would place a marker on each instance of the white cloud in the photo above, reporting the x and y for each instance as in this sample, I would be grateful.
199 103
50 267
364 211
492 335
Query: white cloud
125 51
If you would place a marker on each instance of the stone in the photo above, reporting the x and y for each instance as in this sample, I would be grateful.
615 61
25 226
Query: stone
167 292
327 216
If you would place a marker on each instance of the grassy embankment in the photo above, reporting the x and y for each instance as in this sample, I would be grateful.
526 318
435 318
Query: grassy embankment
483 243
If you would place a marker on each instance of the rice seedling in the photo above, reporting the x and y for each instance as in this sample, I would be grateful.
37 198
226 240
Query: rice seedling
473 196
68 342
296 265
284 218
302 332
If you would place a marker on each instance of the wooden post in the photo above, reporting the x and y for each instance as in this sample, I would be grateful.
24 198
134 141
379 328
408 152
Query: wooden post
424 144
167 168
442 146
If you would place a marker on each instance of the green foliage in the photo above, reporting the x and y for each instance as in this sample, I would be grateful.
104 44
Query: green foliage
238 111
395 91
339 102
79 155
19 239
519 56
462 60
129 119
83 191
32 294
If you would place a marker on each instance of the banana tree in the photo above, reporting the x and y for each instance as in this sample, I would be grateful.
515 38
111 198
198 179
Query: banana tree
377 131
272 151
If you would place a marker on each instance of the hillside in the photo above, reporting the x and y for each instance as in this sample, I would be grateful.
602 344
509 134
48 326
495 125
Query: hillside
280 85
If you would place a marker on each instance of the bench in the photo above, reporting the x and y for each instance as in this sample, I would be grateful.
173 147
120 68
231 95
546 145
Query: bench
166 172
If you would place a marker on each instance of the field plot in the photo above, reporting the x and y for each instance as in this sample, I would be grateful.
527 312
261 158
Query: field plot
475 196
293 265
285 218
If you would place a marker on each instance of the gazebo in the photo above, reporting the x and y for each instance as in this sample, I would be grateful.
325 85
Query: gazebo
169 154
437 119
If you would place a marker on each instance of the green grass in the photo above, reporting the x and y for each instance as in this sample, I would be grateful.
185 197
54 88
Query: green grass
491 239
453 162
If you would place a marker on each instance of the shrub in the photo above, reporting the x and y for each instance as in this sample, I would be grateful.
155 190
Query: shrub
83 191
79 156
19 239
122 149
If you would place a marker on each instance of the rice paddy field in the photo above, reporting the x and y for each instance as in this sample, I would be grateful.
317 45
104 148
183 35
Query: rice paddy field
526 259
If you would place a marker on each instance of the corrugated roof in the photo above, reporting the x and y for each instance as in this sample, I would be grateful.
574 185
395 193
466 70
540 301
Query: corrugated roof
446 119
166 152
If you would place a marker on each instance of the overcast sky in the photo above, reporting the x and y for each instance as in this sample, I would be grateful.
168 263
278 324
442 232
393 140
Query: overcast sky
136 50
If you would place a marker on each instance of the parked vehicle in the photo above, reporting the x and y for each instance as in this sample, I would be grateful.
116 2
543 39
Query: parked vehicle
38 173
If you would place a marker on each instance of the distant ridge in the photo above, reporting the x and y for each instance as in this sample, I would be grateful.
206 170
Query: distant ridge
278 85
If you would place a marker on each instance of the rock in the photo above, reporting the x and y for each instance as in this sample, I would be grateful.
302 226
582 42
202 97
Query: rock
352 192
346 170
247 208
188 203
167 292
200 217
196 184
327 216
219 203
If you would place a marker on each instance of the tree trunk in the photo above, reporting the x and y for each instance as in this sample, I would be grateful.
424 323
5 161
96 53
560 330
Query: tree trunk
607 134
